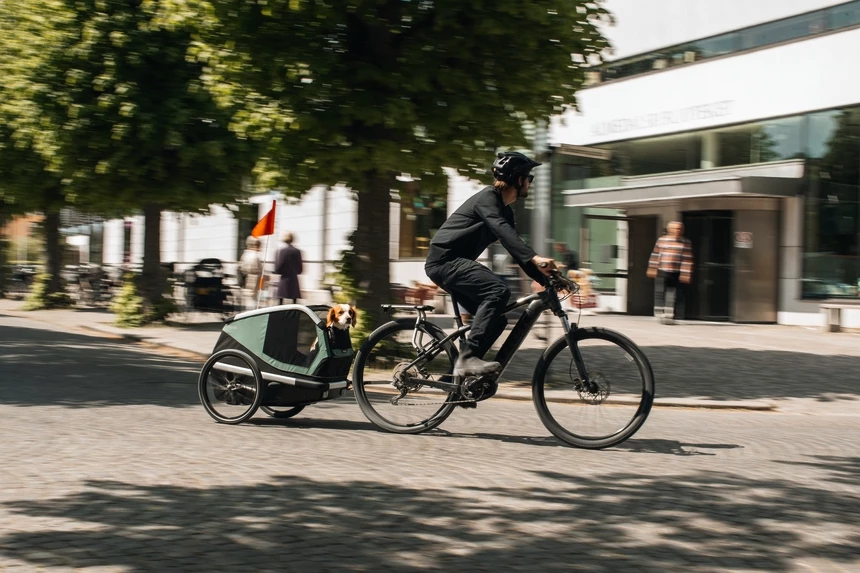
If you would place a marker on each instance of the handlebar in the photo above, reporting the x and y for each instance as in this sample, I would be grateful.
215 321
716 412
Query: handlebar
558 281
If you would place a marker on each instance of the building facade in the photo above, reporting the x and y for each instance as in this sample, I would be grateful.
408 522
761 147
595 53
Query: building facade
743 121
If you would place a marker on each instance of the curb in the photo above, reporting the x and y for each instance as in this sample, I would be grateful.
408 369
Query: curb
525 396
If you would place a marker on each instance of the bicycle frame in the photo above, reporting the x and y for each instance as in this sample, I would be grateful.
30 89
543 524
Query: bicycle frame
535 305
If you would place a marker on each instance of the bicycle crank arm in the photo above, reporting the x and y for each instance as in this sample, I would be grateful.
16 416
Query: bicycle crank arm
447 386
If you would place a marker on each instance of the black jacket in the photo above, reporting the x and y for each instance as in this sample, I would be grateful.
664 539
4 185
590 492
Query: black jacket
480 221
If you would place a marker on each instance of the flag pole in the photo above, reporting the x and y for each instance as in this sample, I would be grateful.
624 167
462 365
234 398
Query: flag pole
263 272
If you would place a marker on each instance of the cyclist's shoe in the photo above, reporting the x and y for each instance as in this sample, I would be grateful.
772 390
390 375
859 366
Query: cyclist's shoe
471 366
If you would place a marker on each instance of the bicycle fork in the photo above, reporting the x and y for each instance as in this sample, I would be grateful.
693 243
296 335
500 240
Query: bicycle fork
570 337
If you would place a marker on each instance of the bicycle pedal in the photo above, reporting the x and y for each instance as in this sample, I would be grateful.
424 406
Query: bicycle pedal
468 405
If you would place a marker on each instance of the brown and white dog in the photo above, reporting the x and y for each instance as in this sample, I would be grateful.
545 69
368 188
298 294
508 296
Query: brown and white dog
341 316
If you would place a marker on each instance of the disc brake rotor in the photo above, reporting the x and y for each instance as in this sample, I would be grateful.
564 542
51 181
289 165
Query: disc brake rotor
596 391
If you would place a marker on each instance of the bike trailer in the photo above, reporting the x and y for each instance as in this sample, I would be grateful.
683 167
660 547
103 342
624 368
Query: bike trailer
281 356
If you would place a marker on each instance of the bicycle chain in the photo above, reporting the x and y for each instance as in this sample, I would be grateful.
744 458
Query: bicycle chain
398 403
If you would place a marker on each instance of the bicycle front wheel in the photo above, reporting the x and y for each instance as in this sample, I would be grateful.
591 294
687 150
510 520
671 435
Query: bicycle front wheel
385 376
606 409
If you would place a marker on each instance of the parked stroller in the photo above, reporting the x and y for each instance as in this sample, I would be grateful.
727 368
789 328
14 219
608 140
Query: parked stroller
206 290
278 359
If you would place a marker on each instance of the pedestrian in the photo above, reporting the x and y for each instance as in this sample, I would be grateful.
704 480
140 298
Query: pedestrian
250 271
671 265
289 266
568 258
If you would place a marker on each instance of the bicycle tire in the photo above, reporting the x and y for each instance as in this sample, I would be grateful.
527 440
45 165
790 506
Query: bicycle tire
636 421
364 401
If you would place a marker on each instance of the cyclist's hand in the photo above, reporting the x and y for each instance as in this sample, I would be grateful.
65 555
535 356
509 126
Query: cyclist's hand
545 265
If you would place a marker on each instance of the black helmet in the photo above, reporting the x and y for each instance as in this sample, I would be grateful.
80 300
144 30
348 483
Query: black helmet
511 165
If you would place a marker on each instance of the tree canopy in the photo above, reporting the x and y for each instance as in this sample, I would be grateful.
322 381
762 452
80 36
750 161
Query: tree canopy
104 96
358 91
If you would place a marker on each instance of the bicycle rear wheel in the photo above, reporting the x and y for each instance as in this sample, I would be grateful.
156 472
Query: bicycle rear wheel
607 410
380 373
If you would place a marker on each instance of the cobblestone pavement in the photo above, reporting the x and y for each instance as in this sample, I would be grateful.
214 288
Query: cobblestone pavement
110 464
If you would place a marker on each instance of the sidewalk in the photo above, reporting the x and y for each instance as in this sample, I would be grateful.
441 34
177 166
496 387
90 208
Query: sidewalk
696 365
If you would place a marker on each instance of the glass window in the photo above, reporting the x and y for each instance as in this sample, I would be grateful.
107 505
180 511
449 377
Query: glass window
421 215
774 140
659 155
783 30
843 15
718 46
831 258
126 242
819 132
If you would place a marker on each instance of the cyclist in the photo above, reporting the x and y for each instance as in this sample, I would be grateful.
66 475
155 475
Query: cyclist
451 259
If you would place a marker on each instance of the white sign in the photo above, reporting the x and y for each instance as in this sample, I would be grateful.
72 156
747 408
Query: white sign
743 240
663 118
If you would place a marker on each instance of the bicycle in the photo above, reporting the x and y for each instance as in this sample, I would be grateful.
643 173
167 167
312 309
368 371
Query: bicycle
405 366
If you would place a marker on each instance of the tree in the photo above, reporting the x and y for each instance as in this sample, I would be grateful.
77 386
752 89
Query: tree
31 172
359 91
125 110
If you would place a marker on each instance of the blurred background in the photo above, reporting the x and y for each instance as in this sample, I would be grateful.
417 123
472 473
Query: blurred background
138 139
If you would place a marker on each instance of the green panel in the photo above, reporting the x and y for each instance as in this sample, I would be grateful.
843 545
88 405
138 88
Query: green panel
250 332
324 352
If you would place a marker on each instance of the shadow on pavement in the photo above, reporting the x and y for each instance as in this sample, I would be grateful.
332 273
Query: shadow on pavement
842 470
44 367
729 374
703 521
653 446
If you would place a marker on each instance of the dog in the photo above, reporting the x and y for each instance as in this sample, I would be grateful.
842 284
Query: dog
341 317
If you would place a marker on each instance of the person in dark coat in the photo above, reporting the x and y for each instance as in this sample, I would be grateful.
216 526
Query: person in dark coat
289 266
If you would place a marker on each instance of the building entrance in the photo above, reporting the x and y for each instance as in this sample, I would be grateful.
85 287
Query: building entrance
709 295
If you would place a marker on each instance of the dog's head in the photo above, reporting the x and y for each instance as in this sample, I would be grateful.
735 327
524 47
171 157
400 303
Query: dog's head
341 316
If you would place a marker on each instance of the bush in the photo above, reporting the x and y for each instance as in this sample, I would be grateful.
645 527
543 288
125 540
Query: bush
37 299
132 310
127 305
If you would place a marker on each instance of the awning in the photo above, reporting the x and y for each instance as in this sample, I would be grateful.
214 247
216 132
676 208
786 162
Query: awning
782 179
621 197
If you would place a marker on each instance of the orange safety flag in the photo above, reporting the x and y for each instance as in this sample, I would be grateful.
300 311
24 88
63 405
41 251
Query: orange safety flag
266 225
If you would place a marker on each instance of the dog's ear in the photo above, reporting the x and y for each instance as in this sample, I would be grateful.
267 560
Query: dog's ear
332 317
354 314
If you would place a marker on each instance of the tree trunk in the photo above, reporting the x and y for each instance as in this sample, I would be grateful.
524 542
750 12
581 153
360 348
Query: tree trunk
54 251
372 248
151 287
4 250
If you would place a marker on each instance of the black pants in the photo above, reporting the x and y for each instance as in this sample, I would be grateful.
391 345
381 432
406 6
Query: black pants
481 293
669 295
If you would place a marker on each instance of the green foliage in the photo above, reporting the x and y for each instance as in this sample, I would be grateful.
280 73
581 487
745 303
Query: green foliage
40 299
339 89
127 305
132 310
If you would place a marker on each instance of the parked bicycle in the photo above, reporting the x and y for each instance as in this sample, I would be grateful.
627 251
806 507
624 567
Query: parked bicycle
593 388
